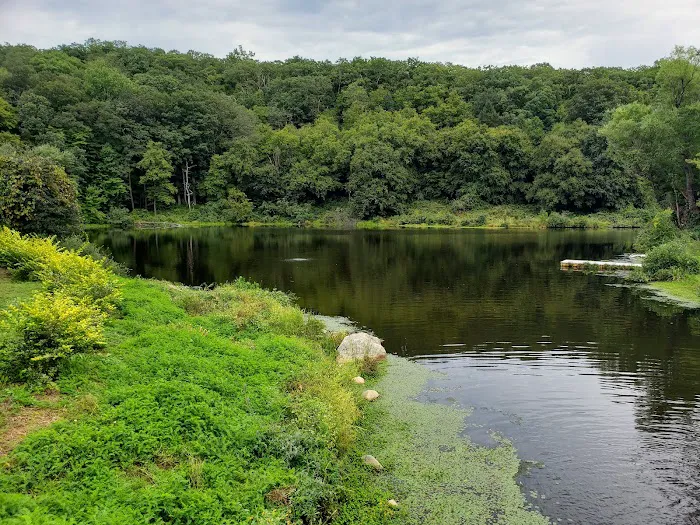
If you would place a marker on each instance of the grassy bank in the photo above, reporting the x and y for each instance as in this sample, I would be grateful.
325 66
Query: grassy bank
203 407
12 291
420 215
671 267
437 215
684 291
212 407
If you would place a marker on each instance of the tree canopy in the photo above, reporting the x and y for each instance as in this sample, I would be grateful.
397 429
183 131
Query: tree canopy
141 127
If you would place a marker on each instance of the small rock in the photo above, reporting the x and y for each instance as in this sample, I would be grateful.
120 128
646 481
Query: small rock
372 462
359 380
393 503
360 346
370 395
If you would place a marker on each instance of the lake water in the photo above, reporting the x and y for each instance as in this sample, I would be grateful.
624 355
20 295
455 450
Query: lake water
597 385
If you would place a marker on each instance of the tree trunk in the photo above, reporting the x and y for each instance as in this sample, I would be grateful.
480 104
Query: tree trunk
187 190
690 197
131 193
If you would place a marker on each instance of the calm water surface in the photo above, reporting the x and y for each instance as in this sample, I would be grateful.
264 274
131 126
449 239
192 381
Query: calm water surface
597 386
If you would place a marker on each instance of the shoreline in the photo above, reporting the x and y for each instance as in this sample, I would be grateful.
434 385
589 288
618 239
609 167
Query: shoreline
231 363
684 293
420 443
425 215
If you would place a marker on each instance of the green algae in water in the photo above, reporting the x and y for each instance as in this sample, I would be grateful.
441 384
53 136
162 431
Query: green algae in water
437 476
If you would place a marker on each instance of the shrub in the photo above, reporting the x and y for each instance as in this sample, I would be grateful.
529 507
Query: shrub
36 195
557 220
82 279
80 245
285 210
59 270
659 230
637 275
120 218
44 330
209 212
24 255
479 220
467 202
670 261
443 218
237 207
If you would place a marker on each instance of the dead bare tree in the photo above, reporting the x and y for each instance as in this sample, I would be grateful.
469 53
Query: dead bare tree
186 186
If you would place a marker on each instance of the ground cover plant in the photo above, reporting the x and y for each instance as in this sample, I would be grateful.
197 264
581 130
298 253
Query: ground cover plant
180 406
212 406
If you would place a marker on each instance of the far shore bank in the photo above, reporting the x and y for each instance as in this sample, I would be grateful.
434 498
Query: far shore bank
427 215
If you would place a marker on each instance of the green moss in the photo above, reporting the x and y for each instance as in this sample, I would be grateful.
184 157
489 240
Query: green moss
436 475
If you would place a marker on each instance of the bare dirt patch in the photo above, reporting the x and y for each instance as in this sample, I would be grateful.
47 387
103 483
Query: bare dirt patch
22 421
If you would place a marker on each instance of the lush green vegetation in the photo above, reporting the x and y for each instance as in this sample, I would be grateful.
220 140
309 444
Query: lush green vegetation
672 262
274 141
12 291
225 405
420 214
685 289
134 401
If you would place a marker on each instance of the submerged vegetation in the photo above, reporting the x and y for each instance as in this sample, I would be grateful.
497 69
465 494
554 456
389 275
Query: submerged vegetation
135 401
437 475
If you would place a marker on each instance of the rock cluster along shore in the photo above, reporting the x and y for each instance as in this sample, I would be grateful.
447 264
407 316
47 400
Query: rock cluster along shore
360 346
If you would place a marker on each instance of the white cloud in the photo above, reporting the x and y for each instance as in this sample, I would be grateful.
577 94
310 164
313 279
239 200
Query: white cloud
567 33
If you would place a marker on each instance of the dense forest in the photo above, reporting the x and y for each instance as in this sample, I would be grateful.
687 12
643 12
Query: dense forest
88 130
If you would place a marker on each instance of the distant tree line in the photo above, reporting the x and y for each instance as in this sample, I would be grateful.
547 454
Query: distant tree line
128 127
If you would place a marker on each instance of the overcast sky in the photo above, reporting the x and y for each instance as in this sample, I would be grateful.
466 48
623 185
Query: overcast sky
566 33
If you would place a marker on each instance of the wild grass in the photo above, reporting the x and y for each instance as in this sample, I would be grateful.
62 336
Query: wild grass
441 215
13 291
685 289
201 405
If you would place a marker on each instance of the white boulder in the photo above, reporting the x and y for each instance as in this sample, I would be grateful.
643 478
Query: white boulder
360 345
370 395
